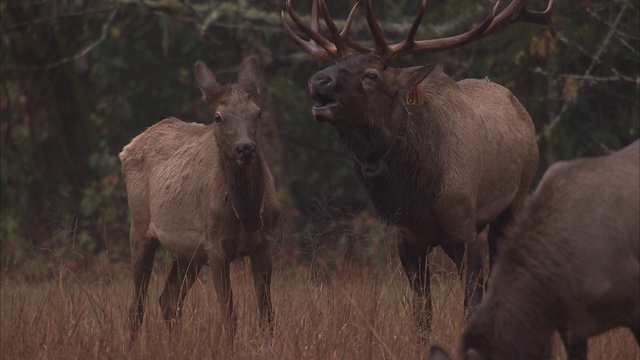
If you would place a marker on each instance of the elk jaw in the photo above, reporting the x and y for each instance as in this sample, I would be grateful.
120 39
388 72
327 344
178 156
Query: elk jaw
323 109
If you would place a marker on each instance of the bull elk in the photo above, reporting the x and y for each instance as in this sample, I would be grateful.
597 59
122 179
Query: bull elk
440 159
206 194
570 263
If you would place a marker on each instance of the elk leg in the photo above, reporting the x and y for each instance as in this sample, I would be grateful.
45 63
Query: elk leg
143 250
182 275
261 269
471 267
576 351
222 284
496 231
474 282
416 267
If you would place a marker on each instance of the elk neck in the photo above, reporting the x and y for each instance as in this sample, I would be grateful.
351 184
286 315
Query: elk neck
526 296
375 143
496 329
246 191
410 157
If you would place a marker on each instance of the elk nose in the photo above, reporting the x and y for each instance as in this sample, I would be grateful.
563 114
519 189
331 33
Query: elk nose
246 150
321 82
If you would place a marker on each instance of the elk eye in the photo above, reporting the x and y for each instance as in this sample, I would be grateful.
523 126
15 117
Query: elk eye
370 76
217 118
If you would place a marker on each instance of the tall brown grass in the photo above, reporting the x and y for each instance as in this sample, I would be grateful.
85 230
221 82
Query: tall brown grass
359 312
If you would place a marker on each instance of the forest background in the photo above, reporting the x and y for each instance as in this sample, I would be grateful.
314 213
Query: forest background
80 78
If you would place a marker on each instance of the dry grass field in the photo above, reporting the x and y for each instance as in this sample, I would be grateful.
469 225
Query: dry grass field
354 313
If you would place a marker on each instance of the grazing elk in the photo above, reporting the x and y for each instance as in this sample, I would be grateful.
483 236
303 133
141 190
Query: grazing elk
206 194
569 263
440 159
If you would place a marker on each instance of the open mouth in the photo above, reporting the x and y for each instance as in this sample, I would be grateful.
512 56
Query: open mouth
322 110
323 102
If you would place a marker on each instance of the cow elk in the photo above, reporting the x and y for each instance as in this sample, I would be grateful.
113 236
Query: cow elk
570 263
440 159
206 194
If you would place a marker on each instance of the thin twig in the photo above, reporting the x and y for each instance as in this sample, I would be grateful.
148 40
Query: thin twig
592 79
595 60
79 54
54 17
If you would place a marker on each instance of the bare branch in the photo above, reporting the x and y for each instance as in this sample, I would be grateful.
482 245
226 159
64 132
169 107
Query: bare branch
587 74
77 55
617 77
52 18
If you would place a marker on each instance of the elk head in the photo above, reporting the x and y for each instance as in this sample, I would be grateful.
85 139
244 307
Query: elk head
235 110
362 93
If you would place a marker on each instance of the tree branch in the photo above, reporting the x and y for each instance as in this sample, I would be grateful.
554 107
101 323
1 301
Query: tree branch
77 55
52 18
546 133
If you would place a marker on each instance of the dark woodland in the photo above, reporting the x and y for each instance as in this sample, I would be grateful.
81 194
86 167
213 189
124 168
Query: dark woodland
80 79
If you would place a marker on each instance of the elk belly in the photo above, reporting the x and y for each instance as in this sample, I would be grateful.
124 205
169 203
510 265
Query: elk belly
183 243
248 242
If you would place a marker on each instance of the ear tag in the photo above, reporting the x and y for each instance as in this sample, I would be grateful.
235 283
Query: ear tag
415 95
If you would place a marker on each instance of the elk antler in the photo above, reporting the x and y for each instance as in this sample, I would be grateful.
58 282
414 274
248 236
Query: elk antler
341 40
514 12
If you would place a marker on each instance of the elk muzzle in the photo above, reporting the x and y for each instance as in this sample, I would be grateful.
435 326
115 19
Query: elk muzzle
321 87
246 152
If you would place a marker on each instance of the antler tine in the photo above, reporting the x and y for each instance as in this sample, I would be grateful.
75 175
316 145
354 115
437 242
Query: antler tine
315 23
542 18
406 45
325 49
381 44
345 32
516 11
416 23
333 29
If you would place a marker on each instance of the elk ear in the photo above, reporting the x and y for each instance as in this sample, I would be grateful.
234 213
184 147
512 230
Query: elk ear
438 353
248 76
248 73
205 79
414 75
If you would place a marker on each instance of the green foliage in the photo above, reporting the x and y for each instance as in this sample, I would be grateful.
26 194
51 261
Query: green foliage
103 207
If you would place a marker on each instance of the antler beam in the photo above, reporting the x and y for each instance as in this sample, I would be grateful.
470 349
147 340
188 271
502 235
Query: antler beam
514 12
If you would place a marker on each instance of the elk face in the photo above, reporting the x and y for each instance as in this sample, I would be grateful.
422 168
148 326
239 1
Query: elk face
362 89
237 118
235 110
345 91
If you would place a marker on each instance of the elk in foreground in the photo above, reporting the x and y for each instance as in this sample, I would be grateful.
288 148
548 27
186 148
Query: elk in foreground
570 263
440 159
206 194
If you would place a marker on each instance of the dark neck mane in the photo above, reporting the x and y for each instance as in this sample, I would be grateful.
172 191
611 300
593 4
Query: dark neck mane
403 159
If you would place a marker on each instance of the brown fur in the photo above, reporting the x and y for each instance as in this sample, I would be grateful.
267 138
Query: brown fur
206 194
440 171
570 263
